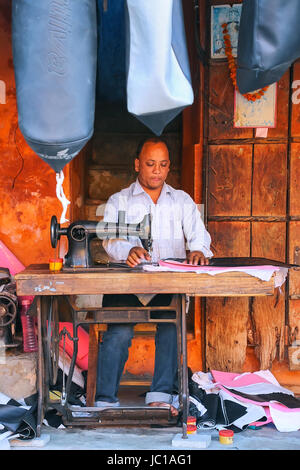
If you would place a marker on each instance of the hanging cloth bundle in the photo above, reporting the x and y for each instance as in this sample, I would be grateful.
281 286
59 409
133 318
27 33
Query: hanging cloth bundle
269 42
158 73
55 60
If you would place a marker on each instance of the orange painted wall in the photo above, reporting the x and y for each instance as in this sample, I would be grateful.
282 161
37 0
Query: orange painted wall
27 184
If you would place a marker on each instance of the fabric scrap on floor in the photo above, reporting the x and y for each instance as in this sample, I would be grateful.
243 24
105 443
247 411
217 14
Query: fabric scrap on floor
235 401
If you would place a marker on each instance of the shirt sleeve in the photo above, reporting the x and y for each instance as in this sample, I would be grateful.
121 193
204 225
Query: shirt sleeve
116 248
197 237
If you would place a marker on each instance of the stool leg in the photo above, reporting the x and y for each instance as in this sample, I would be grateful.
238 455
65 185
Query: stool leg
92 365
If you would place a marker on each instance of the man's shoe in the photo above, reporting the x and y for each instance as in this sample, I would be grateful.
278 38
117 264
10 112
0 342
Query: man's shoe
106 404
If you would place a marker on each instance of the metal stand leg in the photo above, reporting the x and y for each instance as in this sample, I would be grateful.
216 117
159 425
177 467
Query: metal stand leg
179 348
185 398
73 361
40 371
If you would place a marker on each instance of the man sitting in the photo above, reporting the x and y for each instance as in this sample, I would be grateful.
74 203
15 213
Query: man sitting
176 225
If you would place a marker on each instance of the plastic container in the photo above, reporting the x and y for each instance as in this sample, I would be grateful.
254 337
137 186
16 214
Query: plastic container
55 264
191 420
191 429
226 436
191 425
29 337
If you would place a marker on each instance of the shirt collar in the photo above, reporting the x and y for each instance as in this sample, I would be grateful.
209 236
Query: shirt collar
137 189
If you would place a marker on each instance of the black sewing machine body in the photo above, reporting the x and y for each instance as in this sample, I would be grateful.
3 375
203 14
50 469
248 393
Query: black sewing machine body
82 232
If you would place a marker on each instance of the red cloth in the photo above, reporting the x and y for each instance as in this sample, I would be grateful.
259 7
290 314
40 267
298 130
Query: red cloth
83 344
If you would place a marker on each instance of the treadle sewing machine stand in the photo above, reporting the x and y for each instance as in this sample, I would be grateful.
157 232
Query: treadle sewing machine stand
45 285
108 315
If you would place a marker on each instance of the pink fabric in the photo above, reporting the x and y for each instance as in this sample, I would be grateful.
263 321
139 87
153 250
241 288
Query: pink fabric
281 407
227 379
189 267
9 260
268 420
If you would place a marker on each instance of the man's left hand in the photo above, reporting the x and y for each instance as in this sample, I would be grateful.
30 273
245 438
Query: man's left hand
197 257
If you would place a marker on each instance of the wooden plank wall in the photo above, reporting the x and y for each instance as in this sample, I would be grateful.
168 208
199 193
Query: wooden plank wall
253 209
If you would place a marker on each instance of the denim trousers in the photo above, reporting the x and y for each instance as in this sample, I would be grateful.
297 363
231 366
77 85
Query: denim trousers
113 353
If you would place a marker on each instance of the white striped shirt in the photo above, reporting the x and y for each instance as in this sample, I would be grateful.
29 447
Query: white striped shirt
177 225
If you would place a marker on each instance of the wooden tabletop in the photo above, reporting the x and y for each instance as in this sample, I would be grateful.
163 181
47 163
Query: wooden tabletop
38 280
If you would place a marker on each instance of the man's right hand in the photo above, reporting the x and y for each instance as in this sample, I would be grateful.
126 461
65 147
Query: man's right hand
136 255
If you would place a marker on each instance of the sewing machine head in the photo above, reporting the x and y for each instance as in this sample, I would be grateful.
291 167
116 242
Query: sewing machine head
82 232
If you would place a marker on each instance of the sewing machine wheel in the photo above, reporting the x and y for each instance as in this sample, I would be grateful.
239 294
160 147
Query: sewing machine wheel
54 228
8 310
52 341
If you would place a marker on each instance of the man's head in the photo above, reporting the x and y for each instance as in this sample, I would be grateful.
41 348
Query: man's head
152 163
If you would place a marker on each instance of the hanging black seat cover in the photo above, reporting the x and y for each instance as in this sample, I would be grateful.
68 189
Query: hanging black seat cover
55 60
268 43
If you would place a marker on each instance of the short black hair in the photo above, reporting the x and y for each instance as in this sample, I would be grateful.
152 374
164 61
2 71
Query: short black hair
150 139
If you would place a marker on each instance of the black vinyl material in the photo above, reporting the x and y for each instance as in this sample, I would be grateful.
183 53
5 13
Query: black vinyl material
55 60
269 42
243 261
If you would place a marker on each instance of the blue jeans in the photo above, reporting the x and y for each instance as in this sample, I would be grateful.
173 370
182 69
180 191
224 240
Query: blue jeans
113 353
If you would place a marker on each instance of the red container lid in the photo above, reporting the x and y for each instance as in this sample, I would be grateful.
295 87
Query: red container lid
226 433
55 260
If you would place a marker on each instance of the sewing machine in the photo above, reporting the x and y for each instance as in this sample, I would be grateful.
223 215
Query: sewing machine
82 232
8 310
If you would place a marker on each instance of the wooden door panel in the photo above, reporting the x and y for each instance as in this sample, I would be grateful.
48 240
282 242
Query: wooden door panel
295 180
294 335
294 282
226 333
295 101
268 240
221 106
226 318
230 238
269 326
269 180
294 241
294 320
294 257
282 108
268 313
229 180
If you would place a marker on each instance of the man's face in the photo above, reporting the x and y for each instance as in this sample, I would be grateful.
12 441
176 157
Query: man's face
153 165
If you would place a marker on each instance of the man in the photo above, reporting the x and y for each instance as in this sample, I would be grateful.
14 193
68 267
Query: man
176 225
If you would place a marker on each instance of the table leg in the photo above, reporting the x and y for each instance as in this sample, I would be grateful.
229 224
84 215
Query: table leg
40 371
185 398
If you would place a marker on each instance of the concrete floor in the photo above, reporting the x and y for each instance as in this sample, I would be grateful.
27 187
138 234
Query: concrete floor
145 438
